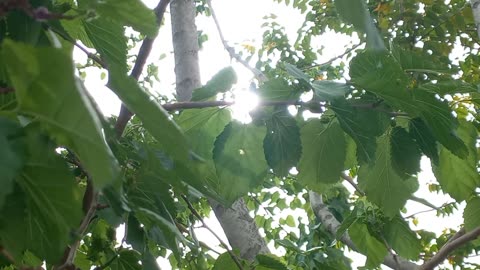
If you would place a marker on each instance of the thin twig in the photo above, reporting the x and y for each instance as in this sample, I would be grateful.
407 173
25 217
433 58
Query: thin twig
195 213
6 90
349 179
231 51
334 58
458 241
424 202
125 115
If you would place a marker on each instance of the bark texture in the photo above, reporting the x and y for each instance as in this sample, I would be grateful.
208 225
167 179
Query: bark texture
239 227
332 224
185 48
476 14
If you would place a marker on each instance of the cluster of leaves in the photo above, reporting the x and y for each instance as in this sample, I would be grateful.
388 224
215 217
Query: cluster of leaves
378 124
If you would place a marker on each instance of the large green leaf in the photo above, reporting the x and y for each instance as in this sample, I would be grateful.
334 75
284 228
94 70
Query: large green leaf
52 206
402 239
132 13
424 138
459 177
355 12
329 90
471 214
202 127
282 145
405 153
324 150
47 90
109 40
381 183
419 61
379 73
155 119
450 87
363 125
126 260
219 83
12 155
367 245
239 160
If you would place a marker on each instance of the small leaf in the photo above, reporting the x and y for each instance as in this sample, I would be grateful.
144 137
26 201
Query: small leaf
329 90
239 160
405 153
282 145
48 91
459 177
324 150
219 83
382 185
368 245
408 245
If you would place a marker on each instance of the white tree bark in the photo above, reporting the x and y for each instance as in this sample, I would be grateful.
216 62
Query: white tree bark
185 48
239 227
476 14
331 224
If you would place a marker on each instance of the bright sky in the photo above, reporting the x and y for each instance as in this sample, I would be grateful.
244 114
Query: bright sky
240 22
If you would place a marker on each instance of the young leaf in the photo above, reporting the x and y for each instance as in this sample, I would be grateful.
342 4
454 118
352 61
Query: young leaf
239 160
324 150
368 245
282 145
380 182
408 245
459 177
220 83
48 91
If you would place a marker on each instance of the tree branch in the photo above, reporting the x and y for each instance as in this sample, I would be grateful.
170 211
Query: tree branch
335 58
231 51
332 224
125 115
195 213
458 240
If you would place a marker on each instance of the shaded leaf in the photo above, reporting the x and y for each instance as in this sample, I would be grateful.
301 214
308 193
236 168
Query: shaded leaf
239 160
329 90
405 153
324 150
424 138
382 185
271 262
450 87
282 145
420 61
69 116
367 245
126 260
459 177
402 239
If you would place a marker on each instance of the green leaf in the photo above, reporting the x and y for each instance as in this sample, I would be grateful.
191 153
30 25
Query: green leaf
402 239
219 83
290 221
52 208
126 260
471 214
109 40
459 177
449 87
282 145
288 244
76 29
420 61
324 150
363 125
296 73
149 262
239 160
48 91
225 261
379 73
424 138
155 119
202 127
368 245
382 185
12 155
276 89
405 153
135 234
439 118
329 90
355 12
133 13
271 262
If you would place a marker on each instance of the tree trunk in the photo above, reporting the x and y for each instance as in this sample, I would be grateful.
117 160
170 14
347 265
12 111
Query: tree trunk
476 14
239 227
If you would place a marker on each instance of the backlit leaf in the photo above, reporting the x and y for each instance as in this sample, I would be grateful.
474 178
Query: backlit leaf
367 244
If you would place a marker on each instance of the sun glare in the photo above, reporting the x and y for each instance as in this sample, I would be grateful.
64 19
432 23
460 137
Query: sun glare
245 102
